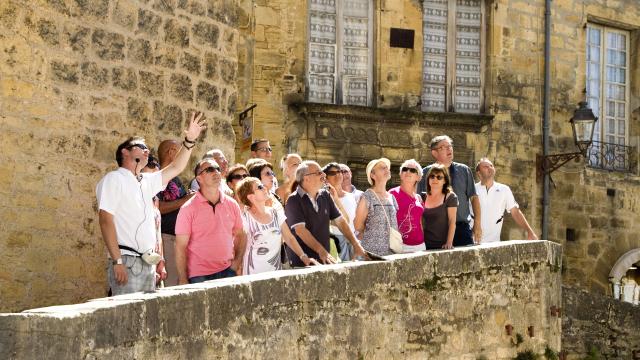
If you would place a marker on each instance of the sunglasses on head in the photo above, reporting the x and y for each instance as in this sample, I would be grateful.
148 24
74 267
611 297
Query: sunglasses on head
139 146
210 169
434 176
409 169
332 172
238 176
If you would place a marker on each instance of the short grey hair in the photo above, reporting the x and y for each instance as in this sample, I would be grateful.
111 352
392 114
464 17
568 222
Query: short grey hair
436 140
412 162
303 169
211 153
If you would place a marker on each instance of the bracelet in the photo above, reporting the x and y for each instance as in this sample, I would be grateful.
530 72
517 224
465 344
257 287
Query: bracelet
184 143
189 141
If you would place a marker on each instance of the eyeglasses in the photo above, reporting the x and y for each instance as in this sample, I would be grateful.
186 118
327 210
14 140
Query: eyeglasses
238 176
210 169
318 173
439 177
142 147
265 149
444 147
333 172
409 169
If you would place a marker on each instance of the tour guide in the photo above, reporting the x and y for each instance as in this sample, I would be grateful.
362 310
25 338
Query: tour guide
126 210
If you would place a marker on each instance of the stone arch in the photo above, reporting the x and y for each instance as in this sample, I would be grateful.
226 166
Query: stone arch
623 264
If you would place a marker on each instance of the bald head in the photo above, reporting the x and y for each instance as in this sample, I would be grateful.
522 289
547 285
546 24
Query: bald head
167 151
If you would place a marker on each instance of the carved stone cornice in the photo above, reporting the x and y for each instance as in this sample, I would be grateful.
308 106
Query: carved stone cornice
408 118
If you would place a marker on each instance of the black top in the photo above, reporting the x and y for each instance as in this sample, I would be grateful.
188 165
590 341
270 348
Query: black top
300 210
435 222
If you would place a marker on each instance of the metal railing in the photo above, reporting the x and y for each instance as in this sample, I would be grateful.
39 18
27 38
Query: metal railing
610 156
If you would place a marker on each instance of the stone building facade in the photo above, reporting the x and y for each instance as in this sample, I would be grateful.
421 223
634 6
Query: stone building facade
77 77
303 56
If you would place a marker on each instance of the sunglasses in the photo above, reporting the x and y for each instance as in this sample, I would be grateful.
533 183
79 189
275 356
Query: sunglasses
265 149
409 169
210 169
238 176
139 146
333 172
439 177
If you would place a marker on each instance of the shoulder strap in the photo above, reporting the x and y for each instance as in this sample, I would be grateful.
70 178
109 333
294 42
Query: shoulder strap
125 247
384 211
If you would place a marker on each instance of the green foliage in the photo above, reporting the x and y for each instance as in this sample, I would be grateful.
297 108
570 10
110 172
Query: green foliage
549 354
519 339
593 353
527 355
431 284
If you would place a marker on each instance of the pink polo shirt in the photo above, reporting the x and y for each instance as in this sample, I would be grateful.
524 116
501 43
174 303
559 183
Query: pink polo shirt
210 247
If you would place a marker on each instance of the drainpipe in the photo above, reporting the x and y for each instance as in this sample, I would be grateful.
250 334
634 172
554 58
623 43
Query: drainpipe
545 116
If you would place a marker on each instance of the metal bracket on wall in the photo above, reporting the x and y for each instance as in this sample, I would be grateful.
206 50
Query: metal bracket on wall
550 163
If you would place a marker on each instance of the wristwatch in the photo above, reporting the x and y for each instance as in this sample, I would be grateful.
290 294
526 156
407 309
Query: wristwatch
117 261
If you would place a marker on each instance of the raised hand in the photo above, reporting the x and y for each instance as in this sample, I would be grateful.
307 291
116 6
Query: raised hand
196 125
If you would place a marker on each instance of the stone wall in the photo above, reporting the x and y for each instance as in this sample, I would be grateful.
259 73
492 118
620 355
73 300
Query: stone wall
599 326
438 305
77 77
603 225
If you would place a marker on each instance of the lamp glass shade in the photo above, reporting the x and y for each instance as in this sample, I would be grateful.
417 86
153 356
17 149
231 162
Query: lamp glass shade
583 123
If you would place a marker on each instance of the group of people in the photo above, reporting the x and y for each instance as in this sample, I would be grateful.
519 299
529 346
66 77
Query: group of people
236 220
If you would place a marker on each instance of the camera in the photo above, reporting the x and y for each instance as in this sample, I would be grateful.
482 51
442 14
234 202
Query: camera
151 257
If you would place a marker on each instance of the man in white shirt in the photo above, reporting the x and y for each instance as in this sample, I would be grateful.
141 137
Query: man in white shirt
495 200
126 212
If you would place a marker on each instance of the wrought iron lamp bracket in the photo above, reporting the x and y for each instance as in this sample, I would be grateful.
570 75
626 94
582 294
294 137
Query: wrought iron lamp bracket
550 163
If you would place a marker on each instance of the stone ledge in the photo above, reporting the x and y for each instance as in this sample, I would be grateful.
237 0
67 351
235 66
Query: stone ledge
236 315
449 120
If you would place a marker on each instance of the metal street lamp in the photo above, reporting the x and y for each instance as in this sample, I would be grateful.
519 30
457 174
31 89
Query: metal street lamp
583 123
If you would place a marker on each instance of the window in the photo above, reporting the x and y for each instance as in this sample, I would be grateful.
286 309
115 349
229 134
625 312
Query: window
453 55
607 88
340 65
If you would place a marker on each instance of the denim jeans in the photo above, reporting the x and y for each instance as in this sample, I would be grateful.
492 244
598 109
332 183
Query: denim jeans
219 275
463 235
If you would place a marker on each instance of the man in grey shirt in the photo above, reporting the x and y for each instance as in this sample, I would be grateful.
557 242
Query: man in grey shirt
463 186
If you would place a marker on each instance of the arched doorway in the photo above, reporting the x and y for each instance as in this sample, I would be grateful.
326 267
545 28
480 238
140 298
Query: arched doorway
625 277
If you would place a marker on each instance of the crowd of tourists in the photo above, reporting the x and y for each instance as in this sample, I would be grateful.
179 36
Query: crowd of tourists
239 220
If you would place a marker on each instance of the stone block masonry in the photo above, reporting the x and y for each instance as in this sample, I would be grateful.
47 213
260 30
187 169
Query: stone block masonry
77 77
438 305
599 325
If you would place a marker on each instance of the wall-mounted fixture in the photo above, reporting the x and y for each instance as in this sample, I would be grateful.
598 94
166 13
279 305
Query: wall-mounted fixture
583 123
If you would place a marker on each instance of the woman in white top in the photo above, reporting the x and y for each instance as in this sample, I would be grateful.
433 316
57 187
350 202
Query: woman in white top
266 229
346 203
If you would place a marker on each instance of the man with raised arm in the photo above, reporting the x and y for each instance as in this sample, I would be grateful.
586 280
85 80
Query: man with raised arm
126 210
